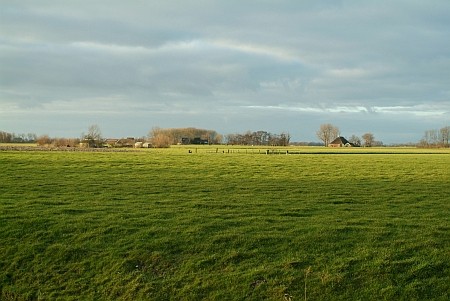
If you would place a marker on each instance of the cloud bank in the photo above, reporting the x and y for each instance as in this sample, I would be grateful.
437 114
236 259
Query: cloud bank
231 66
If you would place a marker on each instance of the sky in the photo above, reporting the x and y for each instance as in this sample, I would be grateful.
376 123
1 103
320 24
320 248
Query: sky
275 65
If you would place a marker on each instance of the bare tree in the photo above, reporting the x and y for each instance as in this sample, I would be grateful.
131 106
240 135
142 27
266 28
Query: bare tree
436 138
160 138
5 137
44 140
284 139
369 139
31 137
445 136
94 136
161 141
430 138
327 133
355 140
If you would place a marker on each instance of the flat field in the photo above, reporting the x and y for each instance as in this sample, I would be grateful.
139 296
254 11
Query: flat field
216 224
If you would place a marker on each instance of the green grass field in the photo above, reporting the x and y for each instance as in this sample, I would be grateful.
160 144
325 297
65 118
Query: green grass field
169 225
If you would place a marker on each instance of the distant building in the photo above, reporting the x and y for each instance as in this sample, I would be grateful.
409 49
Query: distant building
199 140
123 142
196 140
341 142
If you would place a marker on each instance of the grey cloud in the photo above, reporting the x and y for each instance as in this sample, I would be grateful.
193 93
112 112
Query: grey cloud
248 62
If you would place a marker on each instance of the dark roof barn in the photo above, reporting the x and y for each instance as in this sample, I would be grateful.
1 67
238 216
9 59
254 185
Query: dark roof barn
340 142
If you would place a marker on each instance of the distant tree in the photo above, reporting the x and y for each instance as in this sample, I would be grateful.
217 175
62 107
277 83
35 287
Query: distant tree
44 140
430 138
160 138
6 137
218 139
327 133
377 143
369 139
284 139
433 137
17 138
230 138
445 136
31 137
65 142
161 141
260 138
436 138
355 140
94 136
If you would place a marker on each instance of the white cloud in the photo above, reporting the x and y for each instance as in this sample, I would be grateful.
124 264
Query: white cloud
348 73
419 110
191 45
110 48
257 49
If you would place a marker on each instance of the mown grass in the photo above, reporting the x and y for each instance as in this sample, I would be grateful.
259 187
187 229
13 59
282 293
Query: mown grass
169 225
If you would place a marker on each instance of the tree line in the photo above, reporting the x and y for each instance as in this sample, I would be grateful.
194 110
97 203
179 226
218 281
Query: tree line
258 138
165 137
436 138
6 137
159 137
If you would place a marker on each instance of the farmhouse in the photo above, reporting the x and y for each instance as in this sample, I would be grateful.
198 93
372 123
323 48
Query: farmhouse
111 142
141 144
196 140
340 142
123 142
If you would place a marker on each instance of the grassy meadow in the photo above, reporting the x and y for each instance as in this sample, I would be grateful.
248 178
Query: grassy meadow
219 225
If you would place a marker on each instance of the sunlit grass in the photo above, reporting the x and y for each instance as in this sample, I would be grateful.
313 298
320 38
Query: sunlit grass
173 225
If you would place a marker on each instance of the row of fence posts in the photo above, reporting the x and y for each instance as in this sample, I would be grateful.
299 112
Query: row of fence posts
251 151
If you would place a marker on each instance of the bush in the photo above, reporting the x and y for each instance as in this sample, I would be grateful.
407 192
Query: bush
161 141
